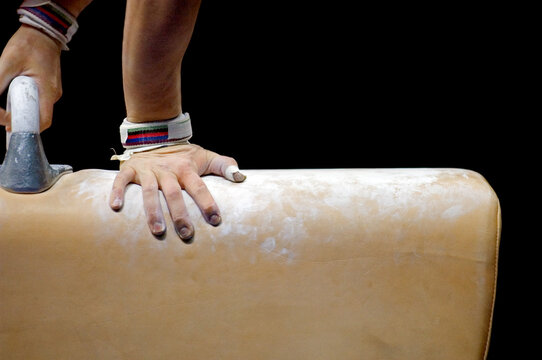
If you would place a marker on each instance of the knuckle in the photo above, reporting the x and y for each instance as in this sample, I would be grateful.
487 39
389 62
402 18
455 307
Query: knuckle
180 219
172 191
150 189
153 213
152 218
52 87
116 189
46 122
120 179
228 159
126 172
200 189
183 167
57 90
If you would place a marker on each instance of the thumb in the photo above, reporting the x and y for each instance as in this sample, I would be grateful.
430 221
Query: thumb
49 94
227 167
46 112
5 79
5 119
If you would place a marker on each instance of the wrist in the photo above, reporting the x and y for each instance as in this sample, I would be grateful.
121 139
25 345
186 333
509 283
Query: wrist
74 7
152 116
143 137
50 18
35 37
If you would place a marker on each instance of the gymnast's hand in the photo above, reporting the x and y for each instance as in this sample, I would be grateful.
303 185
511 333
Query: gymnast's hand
32 53
172 169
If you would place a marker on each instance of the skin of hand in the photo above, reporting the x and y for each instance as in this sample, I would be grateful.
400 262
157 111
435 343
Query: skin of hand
32 53
156 36
172 169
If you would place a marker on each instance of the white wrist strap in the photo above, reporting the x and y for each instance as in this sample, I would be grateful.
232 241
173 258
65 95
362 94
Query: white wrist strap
50 18
139 137
134 135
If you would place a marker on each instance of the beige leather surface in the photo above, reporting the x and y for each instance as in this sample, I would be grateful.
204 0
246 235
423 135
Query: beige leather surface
307 264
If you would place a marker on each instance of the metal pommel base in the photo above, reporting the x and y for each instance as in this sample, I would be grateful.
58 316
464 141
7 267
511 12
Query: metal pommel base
25 168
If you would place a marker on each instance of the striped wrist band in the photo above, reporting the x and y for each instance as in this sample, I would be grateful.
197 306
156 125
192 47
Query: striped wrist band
166 132
50 18
140 137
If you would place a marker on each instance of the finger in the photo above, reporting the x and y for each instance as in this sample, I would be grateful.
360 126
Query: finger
177 209
5 76
46 114
125 176
227 167
151 203
47 102
5 79
197 189
4 117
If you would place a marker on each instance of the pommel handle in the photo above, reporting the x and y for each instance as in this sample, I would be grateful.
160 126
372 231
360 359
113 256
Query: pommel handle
25 168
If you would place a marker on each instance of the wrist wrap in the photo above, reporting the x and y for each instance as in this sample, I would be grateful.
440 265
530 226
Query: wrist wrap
133 135
140 137
50 18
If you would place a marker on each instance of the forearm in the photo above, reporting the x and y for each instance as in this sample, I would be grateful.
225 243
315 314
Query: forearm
156 35
74 7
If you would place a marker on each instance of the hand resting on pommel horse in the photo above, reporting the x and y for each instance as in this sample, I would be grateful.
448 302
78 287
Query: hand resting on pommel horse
347 264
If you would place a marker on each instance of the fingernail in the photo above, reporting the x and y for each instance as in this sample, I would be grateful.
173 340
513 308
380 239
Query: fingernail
185 233
117 203
232 173
239 177
158 228
215 219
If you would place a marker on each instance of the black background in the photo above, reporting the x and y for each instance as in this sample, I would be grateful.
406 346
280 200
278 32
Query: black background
311 84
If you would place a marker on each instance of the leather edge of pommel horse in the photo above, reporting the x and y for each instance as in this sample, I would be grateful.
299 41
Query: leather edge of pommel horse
307 264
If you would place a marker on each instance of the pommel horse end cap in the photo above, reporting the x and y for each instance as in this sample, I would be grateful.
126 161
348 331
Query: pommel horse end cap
326 264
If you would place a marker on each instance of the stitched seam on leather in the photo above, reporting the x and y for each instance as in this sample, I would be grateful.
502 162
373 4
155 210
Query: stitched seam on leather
498 221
